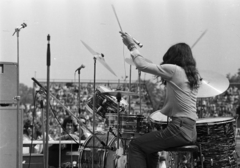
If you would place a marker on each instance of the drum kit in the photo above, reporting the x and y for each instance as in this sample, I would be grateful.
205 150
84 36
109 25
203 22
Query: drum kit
216 135
109 149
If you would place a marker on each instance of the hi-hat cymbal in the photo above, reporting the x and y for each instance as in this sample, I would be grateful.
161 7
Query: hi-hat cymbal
114 93
99 57
212 84
130 61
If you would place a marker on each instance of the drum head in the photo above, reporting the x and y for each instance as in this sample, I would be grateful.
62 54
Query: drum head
217 120
104 103
157 116
102 89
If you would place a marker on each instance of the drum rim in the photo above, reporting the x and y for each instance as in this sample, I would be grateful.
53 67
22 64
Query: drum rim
114 99
228 119
89 138
111 140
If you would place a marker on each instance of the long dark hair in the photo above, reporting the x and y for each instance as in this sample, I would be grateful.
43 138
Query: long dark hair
69 120
181 54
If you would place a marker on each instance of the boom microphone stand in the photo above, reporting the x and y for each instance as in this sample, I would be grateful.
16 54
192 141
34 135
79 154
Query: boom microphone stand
139 89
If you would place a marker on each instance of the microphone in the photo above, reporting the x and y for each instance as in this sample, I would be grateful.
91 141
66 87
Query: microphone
82 66
19 28
48 51
22 26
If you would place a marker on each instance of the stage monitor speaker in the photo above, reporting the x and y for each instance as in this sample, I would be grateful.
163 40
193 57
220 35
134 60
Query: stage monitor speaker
11 126
8 82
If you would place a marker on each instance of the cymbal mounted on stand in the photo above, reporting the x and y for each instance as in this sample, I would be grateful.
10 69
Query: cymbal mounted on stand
100 58
212 84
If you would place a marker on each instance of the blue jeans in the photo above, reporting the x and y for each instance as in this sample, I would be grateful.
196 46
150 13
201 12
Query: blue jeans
142 151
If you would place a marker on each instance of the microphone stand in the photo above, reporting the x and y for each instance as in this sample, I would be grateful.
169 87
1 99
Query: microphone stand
79 110
48 102
79 103
17 98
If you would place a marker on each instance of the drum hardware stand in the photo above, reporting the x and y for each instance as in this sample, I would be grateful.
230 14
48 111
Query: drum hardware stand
94 107
119 97
111 131
129 97
59 148
139 88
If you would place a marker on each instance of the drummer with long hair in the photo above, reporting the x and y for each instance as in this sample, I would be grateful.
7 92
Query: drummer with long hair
180 76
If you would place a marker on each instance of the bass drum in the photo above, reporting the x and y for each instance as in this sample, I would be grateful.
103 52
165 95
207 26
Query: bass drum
107 157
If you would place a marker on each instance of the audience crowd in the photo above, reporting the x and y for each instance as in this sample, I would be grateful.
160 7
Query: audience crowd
221 105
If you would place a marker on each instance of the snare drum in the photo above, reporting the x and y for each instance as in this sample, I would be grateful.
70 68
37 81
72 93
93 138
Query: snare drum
217 138
105 103
131 123
158 121
128 124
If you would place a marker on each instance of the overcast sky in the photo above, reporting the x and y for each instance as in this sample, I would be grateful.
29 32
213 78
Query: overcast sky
157 24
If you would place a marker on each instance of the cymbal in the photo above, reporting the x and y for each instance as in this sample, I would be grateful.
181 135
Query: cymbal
130 61
103 62
99 57
114 93
212 84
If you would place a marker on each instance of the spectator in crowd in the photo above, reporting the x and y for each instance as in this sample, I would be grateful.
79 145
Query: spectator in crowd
27 131
70 130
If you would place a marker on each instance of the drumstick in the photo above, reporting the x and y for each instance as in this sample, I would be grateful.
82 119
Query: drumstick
135 41
115 13
199 38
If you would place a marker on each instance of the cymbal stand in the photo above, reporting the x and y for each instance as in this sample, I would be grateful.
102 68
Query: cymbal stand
139 89
94 108
60 147
119 97
129 97
201 108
